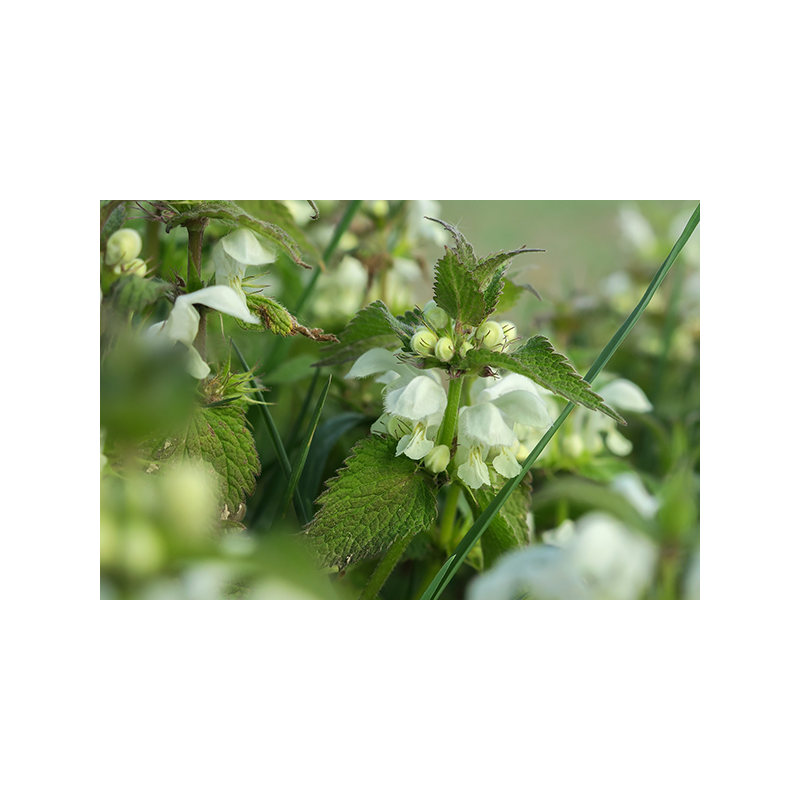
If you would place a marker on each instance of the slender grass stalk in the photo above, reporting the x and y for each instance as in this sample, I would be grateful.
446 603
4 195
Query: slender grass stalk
450 567
303 454
283 459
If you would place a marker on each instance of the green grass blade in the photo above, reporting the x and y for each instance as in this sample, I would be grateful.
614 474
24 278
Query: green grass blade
305 446
450 567
283 459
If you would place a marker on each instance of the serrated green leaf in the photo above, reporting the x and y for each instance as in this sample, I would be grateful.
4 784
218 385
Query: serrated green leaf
464 252
372 501
219 437
457 292
373 326
509 528
537 360
238 217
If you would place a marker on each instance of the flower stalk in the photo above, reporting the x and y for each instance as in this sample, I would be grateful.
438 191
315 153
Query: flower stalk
447 429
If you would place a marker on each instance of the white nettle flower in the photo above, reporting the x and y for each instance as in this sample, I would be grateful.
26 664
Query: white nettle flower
622 395
488 426
235 253
340 292
420 403
597 558
184 321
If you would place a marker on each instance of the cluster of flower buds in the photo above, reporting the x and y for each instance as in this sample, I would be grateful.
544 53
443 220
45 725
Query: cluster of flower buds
122 251
437 338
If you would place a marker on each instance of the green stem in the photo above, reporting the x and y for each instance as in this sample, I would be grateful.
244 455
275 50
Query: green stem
386 565
449 516
447 429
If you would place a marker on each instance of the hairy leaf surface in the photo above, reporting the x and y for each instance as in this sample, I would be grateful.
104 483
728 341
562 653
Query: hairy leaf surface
457 292
219 437
375 498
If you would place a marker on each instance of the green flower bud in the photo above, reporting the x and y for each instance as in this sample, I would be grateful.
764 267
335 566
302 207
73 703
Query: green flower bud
509 331
135 267
424 342
465 348
444 349
437 460
436 317
490 335
123 246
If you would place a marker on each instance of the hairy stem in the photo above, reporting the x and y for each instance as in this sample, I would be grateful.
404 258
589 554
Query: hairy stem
447 429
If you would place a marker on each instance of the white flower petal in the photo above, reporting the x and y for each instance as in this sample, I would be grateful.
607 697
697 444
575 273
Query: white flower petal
484 423
422 398
618 444
415 445
243 246
506 463
221 298
622 395
533 573
196 367
227 269
183 322
372 362
474 473
525 408
616 563
630 486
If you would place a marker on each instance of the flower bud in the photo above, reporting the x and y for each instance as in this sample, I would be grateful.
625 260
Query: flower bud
465 348
436 317
444 349
490 335
423 342
123 246
437 460
135 267
509 331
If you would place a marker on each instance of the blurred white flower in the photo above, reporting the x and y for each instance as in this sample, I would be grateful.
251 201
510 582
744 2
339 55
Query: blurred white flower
597 558
340 292
184 321
637 231
630 486
421 229
589 427
538 572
